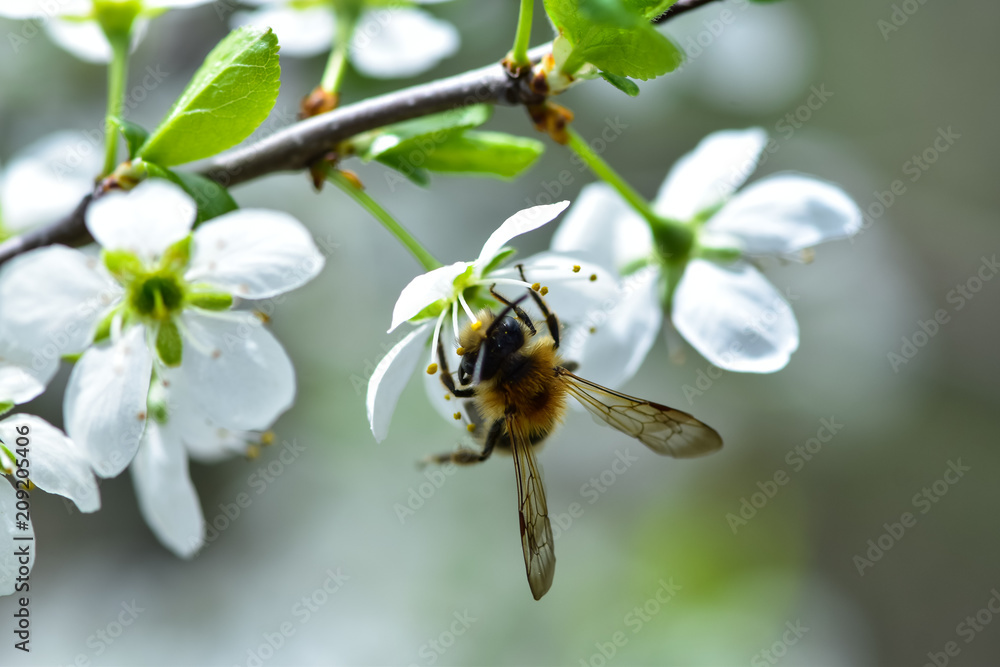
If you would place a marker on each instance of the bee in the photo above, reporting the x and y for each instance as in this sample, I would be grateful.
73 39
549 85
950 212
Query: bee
518 388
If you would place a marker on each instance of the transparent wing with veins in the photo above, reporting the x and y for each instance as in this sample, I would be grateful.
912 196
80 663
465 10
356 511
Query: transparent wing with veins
533 513
661 428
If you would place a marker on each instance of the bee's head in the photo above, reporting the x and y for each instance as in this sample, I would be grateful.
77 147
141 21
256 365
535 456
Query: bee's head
487 350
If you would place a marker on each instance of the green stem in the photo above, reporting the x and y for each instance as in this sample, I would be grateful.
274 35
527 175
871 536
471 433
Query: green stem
333 75
361 197
336 65
519 54
117 76
674 239
605 171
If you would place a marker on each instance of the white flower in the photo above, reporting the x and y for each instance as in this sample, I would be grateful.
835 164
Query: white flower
434 301
42 184
388 42
33 450
722 304
178 429
46 181
157 301
72 24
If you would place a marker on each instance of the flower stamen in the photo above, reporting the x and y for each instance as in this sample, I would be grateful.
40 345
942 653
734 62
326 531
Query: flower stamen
468 312
433 367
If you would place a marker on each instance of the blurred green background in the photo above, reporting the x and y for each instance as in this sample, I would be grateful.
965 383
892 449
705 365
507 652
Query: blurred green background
446 584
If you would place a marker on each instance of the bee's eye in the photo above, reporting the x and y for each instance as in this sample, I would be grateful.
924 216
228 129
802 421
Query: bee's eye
467 367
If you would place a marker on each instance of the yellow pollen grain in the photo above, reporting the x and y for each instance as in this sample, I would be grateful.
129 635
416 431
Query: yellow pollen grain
432 369
536 286
593 277
470 427
477 325
576 268
457 416
267 438
253 451
460 351
447 397
593 330
544 291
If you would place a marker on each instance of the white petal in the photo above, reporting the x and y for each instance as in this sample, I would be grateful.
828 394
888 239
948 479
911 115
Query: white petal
734 317
602 225
424 290
18 385
9 565
254 254
236 370
611 343
203 439
521 222
24 9
46 181
390 377
145 220
105 402
436 391
301 32
709 174
20 380
783 214
55 463
83 39
50 301
167 498
572 295
391 43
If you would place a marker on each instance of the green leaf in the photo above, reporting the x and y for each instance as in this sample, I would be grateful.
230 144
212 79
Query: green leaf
481 153
407 146
639 51
229 96
649 9
420 177
609 12
135 135
624 84
427 130
211 198
168 343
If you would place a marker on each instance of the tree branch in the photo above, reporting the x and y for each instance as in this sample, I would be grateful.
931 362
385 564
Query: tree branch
296 147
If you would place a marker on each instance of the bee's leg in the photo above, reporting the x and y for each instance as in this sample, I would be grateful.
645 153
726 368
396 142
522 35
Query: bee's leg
447 380
521 315
551 321
465 456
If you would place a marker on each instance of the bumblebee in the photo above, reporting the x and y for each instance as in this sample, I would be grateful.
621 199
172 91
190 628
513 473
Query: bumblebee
518 388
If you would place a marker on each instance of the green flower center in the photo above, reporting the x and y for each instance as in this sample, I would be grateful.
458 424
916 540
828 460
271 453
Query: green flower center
157 295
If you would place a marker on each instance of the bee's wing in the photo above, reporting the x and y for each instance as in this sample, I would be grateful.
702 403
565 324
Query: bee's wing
533 513
662 429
